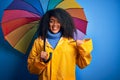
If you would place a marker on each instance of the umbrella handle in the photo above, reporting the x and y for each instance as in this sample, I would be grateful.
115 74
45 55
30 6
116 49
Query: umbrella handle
44 45
46 61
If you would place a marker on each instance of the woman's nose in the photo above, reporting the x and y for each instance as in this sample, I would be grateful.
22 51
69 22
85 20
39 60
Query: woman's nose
55 23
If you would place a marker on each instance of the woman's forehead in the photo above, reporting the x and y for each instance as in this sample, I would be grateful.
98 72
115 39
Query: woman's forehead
53 18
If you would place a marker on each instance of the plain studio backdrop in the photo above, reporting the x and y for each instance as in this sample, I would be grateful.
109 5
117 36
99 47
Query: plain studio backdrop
103 27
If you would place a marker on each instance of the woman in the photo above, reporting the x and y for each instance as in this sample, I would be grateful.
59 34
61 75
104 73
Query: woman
56 37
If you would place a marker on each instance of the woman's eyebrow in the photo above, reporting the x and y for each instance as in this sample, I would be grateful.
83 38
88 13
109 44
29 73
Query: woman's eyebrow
51 19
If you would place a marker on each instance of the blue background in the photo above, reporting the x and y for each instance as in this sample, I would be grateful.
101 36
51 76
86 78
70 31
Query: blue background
103 27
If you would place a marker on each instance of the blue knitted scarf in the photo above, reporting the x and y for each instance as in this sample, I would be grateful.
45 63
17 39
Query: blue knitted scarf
53 38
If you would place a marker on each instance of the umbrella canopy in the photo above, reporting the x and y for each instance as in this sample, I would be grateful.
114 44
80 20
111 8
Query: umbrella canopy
21 19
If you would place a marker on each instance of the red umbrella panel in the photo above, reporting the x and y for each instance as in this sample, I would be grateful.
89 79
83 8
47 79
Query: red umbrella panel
21 19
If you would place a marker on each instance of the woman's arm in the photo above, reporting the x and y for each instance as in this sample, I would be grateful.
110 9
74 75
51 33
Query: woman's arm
35 65
84 48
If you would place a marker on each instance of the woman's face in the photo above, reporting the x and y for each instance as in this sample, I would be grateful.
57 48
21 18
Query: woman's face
54 25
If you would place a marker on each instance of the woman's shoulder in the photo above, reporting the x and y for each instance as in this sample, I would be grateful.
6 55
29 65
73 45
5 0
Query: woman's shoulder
38 39
69 40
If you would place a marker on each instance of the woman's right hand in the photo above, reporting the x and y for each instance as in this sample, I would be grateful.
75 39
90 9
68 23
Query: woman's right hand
44 55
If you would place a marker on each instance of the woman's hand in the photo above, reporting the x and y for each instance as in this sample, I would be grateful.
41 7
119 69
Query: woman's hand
79 42
44 55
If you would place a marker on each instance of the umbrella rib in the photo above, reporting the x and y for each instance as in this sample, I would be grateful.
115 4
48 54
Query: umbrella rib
41 6
35 8
48 4
27 41
24 34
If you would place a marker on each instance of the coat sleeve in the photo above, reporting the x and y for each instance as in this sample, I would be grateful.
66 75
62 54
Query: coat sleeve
35 65
84 53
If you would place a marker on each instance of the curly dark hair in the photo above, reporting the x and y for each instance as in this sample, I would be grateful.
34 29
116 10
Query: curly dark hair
66 21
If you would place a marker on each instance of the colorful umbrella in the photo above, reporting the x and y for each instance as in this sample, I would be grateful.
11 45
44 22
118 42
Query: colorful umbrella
20 20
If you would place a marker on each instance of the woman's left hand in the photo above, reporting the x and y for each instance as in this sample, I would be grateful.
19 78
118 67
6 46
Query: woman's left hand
79 42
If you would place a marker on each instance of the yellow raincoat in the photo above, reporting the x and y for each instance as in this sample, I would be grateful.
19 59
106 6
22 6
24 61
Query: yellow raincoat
64 59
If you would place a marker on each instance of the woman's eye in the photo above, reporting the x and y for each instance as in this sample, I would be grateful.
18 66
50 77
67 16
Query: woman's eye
51 21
